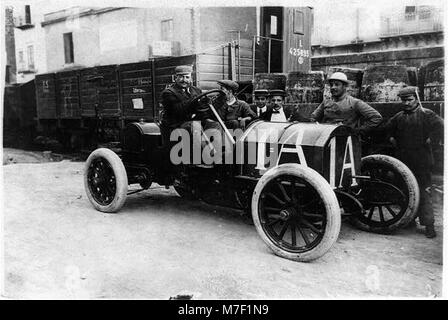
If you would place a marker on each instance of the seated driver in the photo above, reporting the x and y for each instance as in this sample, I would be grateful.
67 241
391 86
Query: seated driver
233 112
181 111
178 109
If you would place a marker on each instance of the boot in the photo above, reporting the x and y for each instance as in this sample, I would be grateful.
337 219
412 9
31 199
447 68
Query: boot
411 225
430 232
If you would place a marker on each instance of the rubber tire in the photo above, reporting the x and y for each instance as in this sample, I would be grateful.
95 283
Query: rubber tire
121 180
326 193
413 195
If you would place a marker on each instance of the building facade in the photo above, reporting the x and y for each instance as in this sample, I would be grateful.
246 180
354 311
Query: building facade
77 37
410 35
84 37
29 35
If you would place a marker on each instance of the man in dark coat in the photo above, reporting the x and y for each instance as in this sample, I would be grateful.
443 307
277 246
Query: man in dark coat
179 111
411 132
235 113
177 98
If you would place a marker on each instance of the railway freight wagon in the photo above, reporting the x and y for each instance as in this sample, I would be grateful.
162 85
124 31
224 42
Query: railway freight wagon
89 106
19 112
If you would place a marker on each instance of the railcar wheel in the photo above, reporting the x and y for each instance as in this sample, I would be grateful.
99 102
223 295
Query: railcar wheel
390 198
296 212
105 180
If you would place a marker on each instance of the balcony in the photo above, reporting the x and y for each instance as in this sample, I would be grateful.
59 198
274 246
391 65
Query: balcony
26 69
22 23
412 23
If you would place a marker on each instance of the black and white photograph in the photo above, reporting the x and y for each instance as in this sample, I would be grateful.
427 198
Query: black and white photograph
222 150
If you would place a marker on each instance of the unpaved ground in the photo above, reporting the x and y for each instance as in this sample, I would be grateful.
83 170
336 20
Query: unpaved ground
57 246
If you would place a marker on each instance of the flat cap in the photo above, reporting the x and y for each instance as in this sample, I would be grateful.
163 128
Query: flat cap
261 92
408 91
183 69
277 92
229 84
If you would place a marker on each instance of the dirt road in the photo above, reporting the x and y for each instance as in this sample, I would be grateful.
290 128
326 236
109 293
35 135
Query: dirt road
159 245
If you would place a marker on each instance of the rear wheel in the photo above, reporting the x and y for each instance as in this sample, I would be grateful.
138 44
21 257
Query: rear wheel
296 212
105 180
390 197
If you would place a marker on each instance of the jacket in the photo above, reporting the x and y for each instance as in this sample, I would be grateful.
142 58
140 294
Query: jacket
176 103
411 131
349 111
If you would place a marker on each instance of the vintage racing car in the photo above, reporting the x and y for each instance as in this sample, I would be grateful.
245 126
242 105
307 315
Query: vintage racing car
297 197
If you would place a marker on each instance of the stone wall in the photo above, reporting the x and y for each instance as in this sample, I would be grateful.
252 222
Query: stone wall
416 57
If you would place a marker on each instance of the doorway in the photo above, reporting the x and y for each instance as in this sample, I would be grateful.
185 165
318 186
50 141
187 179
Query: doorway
272 27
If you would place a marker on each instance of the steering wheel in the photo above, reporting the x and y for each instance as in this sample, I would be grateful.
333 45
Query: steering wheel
216 92
209 106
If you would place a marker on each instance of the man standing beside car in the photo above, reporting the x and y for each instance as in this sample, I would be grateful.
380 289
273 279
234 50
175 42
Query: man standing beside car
345 109
411 132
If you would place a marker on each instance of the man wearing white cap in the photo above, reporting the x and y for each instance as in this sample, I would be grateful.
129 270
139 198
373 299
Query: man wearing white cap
345 109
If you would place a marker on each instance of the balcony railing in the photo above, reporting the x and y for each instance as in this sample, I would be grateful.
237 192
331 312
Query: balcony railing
21 22
411 24
26 68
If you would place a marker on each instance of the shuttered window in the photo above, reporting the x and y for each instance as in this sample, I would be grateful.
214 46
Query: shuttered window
30 54
299 26
68 47
167 30
27 14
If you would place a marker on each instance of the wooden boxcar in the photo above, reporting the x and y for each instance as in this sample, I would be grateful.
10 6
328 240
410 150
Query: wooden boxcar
91 105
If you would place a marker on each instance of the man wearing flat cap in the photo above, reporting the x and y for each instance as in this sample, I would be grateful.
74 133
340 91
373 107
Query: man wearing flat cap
345 109
260 105
176 100
411 132
235 113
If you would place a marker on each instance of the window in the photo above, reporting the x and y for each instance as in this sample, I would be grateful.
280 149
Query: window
68 48
21 60
409 13
424 12
8 71
27 14
30 54
298 22
167 30
274 25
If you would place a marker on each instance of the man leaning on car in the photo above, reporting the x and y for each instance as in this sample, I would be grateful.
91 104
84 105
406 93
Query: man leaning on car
345 109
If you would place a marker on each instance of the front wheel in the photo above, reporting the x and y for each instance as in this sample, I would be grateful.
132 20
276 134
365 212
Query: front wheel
296 212
105 180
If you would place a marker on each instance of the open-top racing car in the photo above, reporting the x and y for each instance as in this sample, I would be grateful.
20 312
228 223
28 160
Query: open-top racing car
302 179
